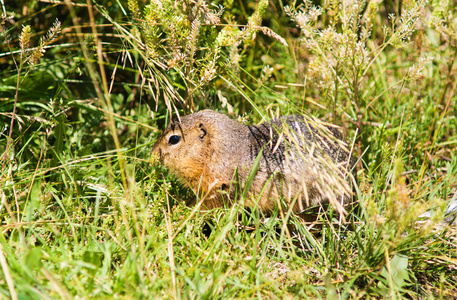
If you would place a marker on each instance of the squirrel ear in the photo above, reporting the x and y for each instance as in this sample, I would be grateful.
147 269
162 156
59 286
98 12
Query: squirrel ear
202 131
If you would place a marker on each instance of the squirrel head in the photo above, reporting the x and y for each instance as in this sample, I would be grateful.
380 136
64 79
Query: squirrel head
185 147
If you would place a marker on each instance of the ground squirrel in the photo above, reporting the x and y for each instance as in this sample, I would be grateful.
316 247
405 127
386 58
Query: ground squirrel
298 163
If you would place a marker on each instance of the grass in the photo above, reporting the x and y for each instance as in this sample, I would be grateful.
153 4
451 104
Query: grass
84 214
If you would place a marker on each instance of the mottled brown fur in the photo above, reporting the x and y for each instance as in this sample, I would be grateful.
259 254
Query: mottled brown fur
300 164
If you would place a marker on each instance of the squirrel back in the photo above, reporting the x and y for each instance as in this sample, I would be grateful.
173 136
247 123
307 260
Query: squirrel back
298 160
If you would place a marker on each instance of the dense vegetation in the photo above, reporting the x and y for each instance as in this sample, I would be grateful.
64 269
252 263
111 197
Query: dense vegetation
85 89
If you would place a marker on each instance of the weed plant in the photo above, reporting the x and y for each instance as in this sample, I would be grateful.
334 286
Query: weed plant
85 89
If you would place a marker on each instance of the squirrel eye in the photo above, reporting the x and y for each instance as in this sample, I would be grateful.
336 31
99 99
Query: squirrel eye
174 139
